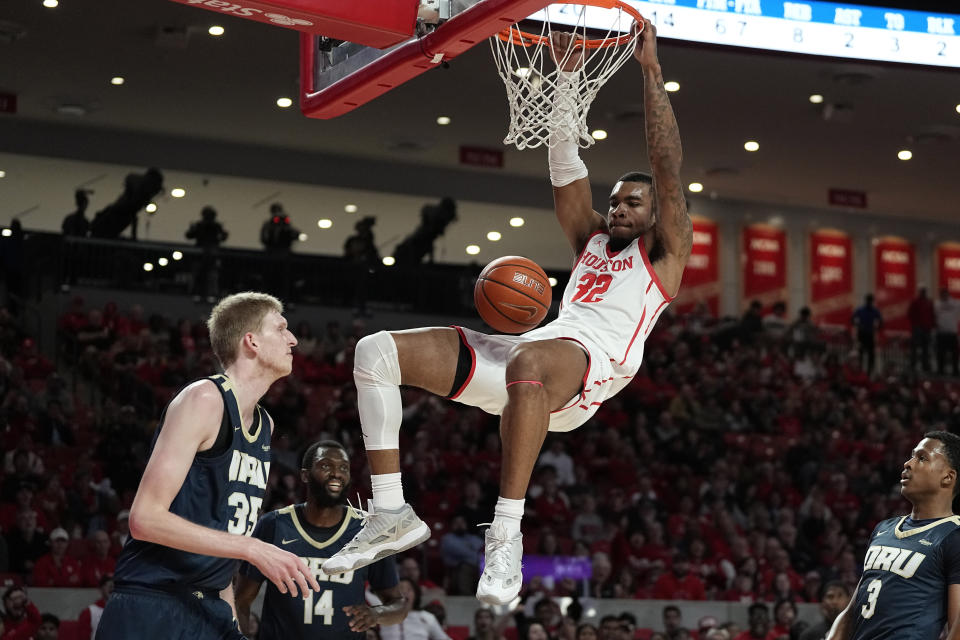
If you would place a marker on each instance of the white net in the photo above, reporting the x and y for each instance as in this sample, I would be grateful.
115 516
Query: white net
547 105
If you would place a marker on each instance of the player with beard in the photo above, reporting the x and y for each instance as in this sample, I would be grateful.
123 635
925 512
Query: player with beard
314 530
910 587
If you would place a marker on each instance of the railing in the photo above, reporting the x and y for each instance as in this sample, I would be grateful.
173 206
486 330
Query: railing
54 261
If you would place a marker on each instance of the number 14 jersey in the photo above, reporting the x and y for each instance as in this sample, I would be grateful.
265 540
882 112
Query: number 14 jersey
906 573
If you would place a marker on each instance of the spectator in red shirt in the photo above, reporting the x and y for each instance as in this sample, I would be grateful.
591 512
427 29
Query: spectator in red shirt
552 506
57 569
784 615
758 623
410 569
679 583
21 618
89 618
101 563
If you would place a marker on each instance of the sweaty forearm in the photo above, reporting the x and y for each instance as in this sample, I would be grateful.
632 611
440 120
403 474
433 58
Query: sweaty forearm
170 530
663 134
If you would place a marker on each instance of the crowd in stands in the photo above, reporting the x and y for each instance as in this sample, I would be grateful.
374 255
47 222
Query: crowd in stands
747 462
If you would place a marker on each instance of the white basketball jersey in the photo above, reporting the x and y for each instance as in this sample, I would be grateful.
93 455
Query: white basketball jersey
612 300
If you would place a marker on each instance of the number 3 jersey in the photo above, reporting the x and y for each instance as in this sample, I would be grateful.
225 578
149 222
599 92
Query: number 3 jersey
906 571
613 299
319 614
223 490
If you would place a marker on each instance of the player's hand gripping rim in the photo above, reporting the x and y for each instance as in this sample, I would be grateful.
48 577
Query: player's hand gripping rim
285 570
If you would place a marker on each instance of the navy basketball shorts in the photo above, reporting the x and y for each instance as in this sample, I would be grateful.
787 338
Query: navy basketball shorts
147 614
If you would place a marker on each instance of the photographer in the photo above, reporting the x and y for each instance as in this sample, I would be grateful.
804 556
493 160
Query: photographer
362 252
208 235
76 223
276 234
434 219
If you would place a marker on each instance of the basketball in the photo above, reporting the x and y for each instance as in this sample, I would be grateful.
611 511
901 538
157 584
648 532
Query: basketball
512 294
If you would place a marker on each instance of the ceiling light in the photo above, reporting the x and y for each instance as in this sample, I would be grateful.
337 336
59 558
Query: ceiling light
599 134
163 262
215 30
695 187
493 236
117 80
751 145
473 249
552 281
516 222
671 86
148 266
177 255
324 223
151 208
50 4
958 108
350 208
3 174
6 233
178 192
905 154
388 261
302 237
443 120
816 98
283 103
522 72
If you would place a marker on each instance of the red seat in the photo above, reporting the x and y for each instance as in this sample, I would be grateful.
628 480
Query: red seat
69 630
458 633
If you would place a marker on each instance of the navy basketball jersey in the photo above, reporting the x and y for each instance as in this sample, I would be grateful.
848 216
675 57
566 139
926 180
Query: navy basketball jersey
902 594
319 614
223 490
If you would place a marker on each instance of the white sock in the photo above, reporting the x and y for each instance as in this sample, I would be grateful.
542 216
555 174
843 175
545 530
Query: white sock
508 513
387 491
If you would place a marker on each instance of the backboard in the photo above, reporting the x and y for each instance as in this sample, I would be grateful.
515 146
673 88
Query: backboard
337 77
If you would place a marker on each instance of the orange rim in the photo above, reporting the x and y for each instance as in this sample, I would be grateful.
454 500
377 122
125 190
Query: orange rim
522 38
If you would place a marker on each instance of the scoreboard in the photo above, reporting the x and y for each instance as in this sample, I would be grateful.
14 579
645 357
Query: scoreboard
806 27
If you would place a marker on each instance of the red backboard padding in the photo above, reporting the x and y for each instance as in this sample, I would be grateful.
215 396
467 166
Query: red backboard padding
379 24
408 60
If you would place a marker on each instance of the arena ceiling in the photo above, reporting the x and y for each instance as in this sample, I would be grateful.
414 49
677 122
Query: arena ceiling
181 81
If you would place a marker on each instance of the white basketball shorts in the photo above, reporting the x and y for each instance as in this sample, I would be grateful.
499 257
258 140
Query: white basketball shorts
486 388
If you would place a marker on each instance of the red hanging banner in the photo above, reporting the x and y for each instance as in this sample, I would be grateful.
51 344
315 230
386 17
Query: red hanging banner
895 281
831 277
701 277
947 269
764 260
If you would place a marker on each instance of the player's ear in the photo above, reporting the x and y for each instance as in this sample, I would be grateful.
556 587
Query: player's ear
304 475
949 480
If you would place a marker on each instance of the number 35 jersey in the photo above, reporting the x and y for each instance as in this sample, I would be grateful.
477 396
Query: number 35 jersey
223 490
319 614
906 571
613 299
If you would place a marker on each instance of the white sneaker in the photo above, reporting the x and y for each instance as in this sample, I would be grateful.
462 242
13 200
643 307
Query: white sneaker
382 535
501 579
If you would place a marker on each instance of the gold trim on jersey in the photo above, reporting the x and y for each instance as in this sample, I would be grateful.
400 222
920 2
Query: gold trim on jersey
906 534
292 512
227 385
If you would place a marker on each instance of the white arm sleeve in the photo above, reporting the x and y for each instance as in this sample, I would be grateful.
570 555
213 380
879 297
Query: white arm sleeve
564 153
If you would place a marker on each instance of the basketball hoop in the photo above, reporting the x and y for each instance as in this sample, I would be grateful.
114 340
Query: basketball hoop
547 106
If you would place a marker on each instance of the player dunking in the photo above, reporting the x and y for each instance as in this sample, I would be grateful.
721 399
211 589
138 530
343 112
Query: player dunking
910 585
628 268
314 530
202 488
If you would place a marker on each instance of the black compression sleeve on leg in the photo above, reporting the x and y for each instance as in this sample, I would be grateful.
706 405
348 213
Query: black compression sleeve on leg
464 364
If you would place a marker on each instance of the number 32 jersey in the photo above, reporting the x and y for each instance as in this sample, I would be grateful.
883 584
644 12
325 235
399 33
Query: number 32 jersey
613 299
319 614
906 572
